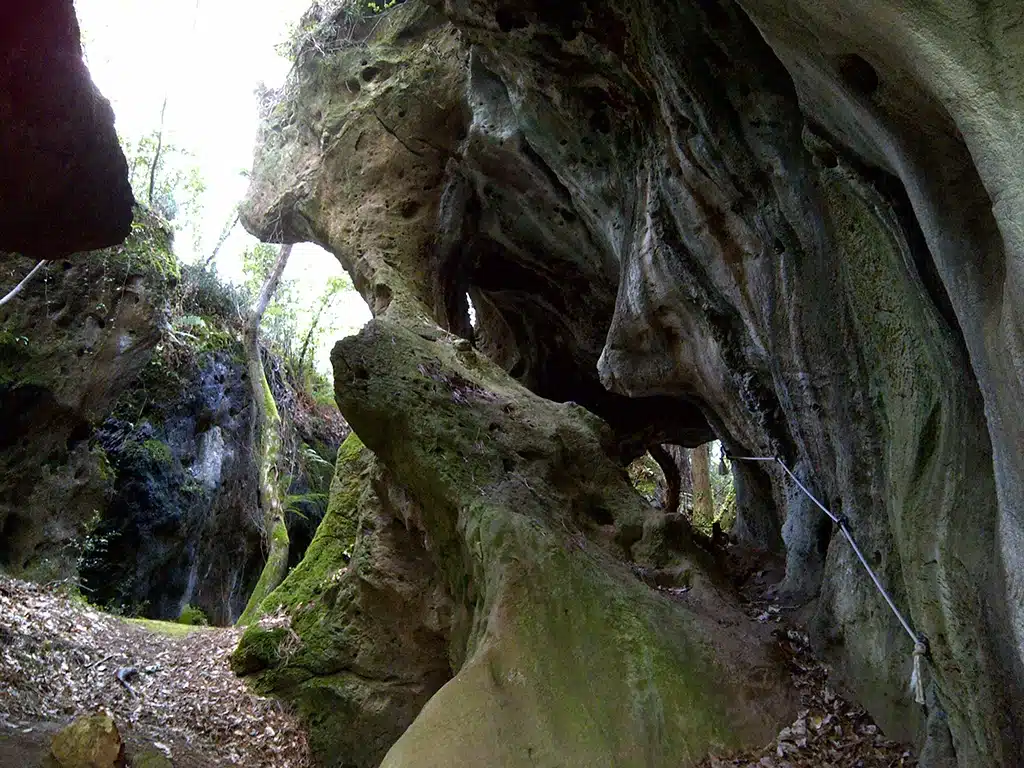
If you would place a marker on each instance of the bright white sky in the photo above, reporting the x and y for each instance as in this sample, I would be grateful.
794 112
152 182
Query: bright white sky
208 58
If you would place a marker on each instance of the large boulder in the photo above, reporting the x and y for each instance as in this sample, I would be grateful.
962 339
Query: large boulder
63 177
91 741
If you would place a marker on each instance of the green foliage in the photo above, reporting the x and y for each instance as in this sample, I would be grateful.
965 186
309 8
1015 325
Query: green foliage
288 327
159 451
193 616
645 474
93 542
204 294
178 183
149 247
203 334
330 26
160 382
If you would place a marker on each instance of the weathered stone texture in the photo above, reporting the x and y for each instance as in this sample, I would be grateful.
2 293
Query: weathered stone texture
793 224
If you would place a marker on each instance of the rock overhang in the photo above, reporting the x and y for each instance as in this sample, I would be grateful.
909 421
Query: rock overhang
63 174
726 217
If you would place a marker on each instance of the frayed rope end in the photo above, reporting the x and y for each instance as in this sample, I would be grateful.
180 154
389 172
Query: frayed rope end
917 676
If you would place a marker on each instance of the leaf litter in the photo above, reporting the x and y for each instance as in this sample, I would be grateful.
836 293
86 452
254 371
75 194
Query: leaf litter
829 731
60 658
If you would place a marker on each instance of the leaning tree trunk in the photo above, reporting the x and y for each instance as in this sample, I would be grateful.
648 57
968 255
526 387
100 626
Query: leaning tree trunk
703 508
268 426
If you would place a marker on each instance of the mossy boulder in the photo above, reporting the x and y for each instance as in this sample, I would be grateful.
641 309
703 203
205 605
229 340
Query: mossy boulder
356 635
151 757
91 741
561 655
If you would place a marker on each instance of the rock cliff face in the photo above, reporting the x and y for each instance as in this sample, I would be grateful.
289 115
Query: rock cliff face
70 343
126 458
62 172
179 526
791 225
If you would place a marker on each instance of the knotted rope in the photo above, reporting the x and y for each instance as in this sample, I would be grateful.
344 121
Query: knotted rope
920 641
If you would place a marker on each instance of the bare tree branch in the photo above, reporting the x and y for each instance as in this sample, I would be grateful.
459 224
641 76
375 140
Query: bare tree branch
156 154
224 234
269 287
17 289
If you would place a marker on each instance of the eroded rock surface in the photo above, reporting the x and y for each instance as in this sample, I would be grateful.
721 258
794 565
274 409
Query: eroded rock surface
561 654
70 344
792 224
357 635
63 177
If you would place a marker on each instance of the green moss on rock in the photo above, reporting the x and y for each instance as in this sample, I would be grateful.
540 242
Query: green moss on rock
564 657
355 635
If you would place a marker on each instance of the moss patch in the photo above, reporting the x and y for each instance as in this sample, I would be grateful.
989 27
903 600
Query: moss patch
170 628
563 655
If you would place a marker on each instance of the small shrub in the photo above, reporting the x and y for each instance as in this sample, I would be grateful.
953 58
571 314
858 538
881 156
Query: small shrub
203 294
193 616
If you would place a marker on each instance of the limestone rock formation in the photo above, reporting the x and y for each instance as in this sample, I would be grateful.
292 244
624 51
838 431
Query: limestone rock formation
127 449
792 225
368 642
70 344
63 178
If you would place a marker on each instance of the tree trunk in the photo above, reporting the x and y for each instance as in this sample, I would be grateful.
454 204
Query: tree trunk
225 233
156 154
672 478
327 302
268 430
703 508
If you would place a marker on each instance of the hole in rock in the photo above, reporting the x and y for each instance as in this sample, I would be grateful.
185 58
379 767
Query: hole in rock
80 432
599 514
706 489
369 74
858 74
508 19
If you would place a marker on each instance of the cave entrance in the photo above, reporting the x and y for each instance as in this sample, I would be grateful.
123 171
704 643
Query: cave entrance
707 491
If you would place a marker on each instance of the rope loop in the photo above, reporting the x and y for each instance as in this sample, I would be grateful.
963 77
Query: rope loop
921 650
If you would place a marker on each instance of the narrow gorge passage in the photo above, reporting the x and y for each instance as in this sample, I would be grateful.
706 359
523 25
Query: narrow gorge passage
678 425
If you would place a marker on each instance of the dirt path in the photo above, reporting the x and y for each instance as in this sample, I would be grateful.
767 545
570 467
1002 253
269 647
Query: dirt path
830 731
59 658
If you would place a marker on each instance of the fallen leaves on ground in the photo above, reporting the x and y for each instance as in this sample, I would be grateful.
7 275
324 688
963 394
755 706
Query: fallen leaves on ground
59 658
829 731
